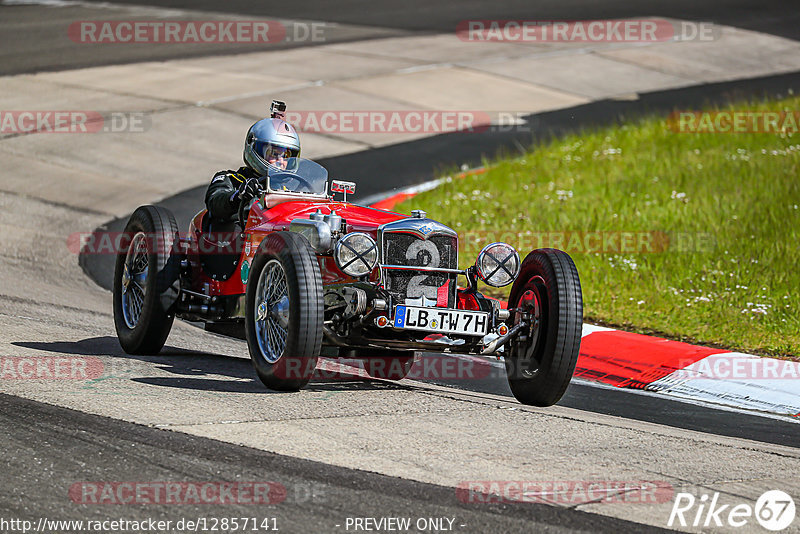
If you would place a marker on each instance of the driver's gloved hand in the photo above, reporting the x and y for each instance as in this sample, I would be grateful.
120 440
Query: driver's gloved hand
247 191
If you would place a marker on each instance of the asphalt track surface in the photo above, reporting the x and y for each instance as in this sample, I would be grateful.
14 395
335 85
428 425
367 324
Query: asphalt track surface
33 39
68 445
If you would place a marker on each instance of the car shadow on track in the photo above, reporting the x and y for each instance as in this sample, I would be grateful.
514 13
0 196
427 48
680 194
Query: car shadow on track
98 346
199 370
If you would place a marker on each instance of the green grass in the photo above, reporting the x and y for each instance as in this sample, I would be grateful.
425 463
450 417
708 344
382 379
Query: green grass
729 204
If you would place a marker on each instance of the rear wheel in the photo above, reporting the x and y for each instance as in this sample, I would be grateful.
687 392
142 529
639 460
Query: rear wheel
146 281
541 361
284 311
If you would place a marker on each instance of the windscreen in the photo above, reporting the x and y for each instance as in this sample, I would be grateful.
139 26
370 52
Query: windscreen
298 175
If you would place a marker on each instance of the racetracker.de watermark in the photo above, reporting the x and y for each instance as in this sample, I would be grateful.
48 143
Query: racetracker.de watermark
196 31
177 31
50 368
72 121
732 122
591 242
564 492
100 243
470 242
424 367
405 121
648 30
730 366
177 493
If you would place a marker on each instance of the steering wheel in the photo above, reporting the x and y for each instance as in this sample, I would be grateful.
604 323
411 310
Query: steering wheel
292 176
244 208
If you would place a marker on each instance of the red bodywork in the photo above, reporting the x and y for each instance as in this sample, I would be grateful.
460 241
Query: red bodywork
263 221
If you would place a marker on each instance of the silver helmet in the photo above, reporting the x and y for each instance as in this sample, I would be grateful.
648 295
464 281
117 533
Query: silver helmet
270 139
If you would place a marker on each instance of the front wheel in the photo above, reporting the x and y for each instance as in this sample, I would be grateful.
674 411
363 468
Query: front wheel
284 311
541 360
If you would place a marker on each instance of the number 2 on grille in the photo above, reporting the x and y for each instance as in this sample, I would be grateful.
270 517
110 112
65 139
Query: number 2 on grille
428 256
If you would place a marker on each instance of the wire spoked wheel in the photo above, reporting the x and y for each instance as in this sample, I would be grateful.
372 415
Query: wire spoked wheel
284 311
134 280
146 281
272 311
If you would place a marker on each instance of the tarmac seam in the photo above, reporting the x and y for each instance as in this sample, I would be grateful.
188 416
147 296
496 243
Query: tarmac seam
328 417
53 203
23 300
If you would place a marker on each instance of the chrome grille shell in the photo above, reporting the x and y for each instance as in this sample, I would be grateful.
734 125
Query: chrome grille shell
416 242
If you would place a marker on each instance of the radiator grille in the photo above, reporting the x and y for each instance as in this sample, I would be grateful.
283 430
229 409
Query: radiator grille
407 249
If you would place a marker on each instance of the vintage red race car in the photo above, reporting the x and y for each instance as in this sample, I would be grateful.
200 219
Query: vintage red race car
302 275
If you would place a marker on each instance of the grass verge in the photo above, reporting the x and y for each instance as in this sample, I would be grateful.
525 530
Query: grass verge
690 235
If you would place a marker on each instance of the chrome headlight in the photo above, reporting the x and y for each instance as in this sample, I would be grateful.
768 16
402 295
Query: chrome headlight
356 254
498 264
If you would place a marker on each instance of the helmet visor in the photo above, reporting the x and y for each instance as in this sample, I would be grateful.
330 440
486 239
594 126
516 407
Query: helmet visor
271 152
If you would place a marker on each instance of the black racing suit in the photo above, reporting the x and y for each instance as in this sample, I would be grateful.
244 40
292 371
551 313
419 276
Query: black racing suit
220 195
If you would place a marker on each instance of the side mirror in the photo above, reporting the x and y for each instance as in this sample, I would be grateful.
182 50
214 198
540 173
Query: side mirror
340 186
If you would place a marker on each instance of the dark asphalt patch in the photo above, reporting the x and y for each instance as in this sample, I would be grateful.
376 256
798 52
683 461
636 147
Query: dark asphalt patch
50 450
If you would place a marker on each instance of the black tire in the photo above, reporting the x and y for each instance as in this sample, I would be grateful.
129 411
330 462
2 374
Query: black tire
293 366
386 364
147 332
541 365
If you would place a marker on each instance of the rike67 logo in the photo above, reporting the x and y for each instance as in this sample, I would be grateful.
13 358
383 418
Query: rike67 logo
774 510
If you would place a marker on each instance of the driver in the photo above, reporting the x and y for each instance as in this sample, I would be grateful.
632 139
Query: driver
269 143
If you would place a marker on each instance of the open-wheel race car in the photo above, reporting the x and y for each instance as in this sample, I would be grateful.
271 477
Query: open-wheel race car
302 275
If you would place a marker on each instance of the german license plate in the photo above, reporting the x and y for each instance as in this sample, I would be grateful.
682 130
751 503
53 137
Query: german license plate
441 321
